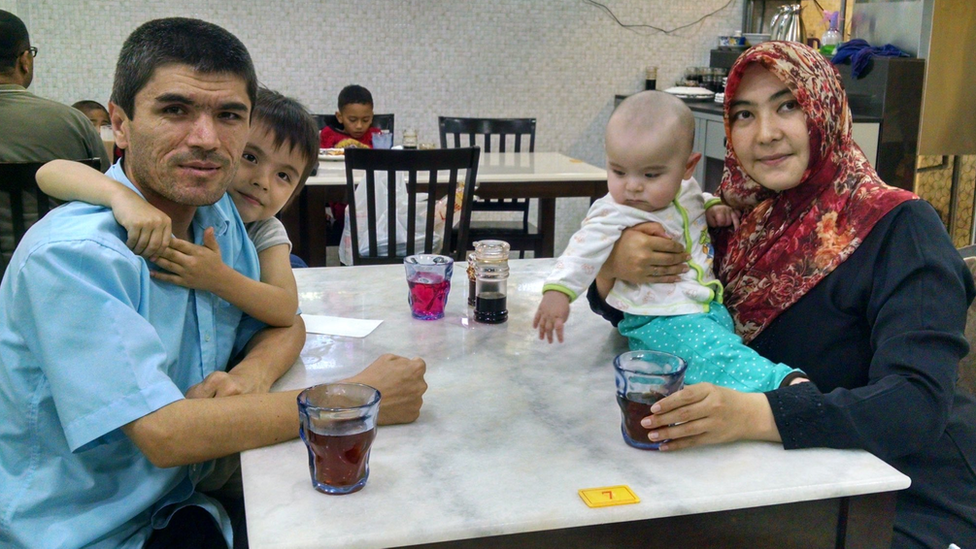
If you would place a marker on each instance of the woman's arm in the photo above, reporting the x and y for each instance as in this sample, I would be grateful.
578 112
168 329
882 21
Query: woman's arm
273 300
915 291
149 230
912 342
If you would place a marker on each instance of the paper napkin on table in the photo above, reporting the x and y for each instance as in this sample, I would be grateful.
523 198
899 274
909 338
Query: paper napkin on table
338 326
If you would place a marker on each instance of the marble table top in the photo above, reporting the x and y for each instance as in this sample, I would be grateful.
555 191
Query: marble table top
511 429
497 167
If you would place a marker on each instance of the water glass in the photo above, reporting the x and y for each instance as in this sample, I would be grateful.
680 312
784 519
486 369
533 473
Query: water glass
643 378
338 425
383 140
429 280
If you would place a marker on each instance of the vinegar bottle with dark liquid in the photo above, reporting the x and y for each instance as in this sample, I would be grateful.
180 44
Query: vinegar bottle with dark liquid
491 281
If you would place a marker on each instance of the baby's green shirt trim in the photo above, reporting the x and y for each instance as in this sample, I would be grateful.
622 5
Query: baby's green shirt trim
715 287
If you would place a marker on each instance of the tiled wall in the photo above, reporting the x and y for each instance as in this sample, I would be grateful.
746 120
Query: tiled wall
560 61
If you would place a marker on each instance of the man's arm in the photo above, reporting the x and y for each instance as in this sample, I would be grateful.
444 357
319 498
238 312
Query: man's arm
269 354
199 429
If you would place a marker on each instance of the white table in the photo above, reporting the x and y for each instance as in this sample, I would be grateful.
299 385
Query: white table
545 176
512 427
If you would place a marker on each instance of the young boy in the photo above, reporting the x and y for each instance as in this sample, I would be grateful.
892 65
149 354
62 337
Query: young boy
279 156
94 111
355 114
650 164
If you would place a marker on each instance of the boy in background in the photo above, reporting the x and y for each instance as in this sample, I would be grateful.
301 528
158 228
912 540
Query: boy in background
95 112
649 175
355 115
278 158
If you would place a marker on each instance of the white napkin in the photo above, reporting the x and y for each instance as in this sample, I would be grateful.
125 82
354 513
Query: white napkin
338 326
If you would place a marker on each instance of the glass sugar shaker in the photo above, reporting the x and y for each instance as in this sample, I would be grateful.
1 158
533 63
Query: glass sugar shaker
491 281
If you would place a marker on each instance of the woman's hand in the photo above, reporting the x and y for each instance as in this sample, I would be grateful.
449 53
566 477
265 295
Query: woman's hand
707 414
643 254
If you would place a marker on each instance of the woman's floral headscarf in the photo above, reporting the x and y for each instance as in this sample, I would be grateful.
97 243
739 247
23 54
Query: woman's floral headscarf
789 241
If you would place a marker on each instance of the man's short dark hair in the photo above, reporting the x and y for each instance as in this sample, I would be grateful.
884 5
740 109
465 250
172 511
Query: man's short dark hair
14 40
203 46
87 105
355 95
290 124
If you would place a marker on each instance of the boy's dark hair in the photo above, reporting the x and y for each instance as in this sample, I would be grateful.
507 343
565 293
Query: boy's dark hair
87 105
290 124
14 40
355 95
205 47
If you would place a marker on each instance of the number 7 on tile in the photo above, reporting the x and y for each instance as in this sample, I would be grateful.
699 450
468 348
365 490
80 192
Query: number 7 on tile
608 495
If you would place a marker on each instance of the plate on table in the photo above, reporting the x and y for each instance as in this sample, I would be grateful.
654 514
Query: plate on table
691 94
332 154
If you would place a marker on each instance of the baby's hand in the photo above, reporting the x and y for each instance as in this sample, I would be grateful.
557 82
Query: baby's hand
721 215
552 314
149 229
191 266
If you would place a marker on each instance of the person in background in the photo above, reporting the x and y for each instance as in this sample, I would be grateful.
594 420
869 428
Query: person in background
95 112
281 152
34 129
834 272
116 388
355 116
650 164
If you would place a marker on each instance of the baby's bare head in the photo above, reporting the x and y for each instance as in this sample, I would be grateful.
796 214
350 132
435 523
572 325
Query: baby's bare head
653 113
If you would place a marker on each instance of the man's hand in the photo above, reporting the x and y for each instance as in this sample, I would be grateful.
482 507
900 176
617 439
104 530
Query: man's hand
401 384
707 414
221 384
551 315
192 266
721 215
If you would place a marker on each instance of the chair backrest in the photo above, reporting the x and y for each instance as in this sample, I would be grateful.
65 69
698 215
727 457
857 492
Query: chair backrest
381 121
967 366
27 203
479 132
423 182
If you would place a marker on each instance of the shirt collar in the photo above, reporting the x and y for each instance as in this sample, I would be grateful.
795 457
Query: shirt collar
205 216
12 88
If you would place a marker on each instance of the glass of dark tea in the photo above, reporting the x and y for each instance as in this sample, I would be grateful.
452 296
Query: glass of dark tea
429 282
643 378
337 421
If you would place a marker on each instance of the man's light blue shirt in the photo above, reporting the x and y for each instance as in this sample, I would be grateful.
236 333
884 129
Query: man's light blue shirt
88 343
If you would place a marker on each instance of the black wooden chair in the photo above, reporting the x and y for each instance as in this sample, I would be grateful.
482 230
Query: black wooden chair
424 190
24 203
468 132
381 121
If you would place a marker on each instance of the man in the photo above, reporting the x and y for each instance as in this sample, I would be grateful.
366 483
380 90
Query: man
34 129
112 386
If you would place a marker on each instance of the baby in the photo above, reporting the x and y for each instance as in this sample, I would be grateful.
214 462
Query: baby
649 174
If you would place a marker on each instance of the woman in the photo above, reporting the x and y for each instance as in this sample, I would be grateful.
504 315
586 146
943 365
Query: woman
833 272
